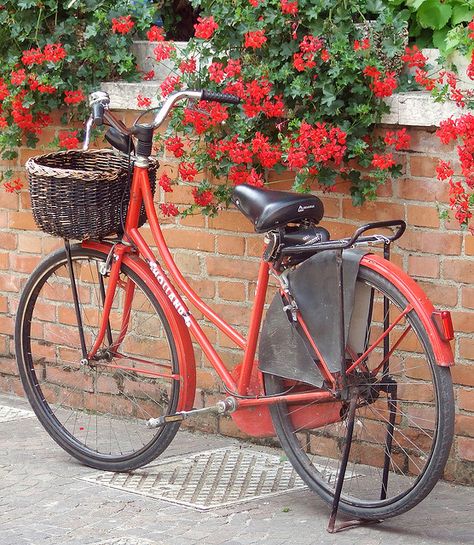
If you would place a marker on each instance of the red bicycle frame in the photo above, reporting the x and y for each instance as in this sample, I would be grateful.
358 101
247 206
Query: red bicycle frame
240 386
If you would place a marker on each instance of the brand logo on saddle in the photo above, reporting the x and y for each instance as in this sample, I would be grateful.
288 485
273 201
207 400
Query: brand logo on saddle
169 292
302 208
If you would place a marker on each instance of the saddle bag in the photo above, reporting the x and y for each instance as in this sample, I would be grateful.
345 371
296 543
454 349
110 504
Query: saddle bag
284 349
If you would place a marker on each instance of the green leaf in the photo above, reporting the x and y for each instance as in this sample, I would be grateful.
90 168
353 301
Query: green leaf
433 14
461 14
439 38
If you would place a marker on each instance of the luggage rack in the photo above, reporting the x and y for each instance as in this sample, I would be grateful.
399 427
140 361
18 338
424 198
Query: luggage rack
355 239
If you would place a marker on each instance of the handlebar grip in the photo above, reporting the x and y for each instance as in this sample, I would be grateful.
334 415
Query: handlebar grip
98 113
220 97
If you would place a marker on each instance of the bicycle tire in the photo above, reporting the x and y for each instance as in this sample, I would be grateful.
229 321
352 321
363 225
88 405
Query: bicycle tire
96 412
418 453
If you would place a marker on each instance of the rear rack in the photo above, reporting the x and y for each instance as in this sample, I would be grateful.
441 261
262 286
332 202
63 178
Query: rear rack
355 239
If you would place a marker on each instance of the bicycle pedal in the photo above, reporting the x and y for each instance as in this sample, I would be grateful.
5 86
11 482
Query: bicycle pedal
222 407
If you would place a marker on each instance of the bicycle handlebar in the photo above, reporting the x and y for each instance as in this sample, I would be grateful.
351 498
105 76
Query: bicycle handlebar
99 102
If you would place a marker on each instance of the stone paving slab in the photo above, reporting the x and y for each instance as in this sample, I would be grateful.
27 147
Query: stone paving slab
45 501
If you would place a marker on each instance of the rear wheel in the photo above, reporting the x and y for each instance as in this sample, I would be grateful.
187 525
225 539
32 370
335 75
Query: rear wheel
97 411
404 418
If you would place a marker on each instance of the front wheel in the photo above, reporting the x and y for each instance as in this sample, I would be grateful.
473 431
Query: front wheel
97 410
404 418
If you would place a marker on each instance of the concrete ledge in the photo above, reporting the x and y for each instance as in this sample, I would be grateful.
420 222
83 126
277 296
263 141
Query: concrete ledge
414 109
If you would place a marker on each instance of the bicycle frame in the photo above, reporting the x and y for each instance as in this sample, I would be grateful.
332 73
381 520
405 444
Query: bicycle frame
240 387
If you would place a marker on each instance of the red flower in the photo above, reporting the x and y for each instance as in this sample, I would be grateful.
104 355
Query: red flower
170 84
202 198
47 89
68 140
32 56
414 57
187 171
444 170
400 139
421 77
216 72
255 178
4 92
470 26
143 102
205 27
175 145
3 123
122 25
290 8
254 3
165 183
149 75
18 77
233 68
364 44
383 161
255 39
371 72
54 52
14 185
470 68
188 66
447 131
311 44
74 97
169 209
163 51
155 34
325 55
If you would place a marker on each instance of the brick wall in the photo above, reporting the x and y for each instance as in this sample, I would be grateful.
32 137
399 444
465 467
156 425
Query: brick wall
220 258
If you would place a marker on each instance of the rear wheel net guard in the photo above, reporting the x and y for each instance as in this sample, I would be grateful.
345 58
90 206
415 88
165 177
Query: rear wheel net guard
284 350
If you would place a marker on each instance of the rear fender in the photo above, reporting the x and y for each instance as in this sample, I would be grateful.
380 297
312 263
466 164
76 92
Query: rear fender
418 299
179 329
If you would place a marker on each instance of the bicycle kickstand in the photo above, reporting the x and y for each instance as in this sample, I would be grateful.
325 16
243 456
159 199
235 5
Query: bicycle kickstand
332 528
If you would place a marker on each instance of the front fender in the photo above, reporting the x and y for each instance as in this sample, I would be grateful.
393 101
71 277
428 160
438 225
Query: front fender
418 299
179 329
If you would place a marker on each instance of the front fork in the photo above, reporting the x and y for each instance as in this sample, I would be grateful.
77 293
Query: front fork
110 268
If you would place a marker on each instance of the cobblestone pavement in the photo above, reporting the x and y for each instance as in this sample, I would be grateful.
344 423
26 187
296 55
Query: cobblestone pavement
43 501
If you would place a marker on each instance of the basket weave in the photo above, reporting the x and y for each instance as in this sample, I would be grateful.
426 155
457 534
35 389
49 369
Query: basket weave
81 194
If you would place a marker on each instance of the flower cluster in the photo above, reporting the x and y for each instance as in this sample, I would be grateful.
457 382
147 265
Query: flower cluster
305 106
461 189
50 66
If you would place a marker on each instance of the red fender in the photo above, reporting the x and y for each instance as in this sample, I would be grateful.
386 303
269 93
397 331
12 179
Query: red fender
418 299
179 330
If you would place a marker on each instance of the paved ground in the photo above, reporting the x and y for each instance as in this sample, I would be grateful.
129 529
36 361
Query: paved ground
44 502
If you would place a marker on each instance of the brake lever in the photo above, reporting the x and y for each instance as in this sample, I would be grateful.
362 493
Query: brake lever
87 137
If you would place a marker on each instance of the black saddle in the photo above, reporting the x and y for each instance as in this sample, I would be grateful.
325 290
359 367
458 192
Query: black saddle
268 209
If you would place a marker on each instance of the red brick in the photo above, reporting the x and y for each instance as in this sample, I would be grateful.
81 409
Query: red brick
8 241
332 206
231 291
423 266
23 263
463 374
431 242
187 238
194 220
423 190
422 216
230 245
463 321
466 348
232 268
440 294
460 270
9 200
466 448
181 194
29 243
423 166
255 246
204 288
469 244
233 313
22 220
373 211
468 297
230 220
464 425
466 400
424 141
187 263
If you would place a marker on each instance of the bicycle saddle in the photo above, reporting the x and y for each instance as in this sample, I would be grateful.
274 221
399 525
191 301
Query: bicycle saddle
268 209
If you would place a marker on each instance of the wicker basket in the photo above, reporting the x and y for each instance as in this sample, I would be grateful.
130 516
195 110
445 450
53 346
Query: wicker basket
81 194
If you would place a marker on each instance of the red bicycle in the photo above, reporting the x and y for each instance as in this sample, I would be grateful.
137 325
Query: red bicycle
353 364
